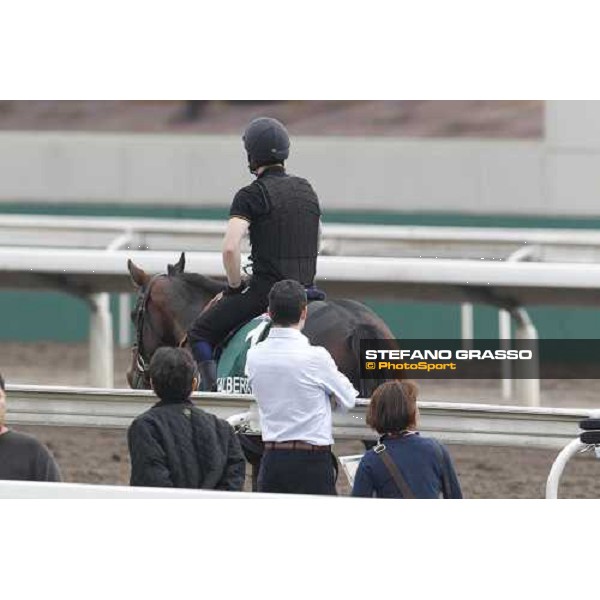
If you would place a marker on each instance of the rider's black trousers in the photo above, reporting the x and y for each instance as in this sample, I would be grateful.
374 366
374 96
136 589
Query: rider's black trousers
230 312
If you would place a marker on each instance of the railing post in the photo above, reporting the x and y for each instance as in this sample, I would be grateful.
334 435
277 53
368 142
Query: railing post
124 321
101 341
505 334
527 373
570 450
523 390
467 329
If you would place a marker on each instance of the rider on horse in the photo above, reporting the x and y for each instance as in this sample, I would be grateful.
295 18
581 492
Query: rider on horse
282 214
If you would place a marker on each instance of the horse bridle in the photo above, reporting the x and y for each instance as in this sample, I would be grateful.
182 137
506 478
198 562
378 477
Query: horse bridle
142 364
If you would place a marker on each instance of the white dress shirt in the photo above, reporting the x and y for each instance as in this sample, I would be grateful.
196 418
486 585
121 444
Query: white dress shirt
293 382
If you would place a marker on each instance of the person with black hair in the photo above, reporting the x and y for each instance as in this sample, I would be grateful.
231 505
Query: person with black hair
22 457
176 444
296 386
281 213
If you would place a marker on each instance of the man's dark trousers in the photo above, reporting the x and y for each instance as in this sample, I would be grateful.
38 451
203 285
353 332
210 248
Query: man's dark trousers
297 472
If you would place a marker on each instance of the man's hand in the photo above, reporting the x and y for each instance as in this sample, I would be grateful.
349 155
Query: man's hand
232 291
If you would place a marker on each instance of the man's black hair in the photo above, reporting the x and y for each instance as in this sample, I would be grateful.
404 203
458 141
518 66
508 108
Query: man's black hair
2 383
172 371
287 300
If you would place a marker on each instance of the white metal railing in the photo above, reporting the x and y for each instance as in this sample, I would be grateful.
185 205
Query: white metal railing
573 448
421 278
82 491
92 271
553 245
453 423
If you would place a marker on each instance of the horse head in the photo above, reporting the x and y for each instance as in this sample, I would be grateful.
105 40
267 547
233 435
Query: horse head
165 306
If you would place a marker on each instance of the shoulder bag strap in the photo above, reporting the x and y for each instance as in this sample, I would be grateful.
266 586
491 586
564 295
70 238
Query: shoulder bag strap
394 472
445 478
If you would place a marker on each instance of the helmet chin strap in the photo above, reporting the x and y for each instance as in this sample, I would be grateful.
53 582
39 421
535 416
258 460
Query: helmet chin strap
253 170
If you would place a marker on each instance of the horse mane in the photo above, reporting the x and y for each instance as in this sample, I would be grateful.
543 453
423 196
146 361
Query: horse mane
211 286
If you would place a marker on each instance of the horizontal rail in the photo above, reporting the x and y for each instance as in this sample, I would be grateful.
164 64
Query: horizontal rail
453 423
83 491
552 245
393 278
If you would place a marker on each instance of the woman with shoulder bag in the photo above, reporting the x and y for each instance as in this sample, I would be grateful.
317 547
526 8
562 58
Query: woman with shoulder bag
403 464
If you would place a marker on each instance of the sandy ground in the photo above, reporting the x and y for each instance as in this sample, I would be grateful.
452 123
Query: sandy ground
413 118
100 456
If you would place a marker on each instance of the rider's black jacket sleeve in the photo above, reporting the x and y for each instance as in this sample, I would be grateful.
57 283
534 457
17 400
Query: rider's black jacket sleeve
242 205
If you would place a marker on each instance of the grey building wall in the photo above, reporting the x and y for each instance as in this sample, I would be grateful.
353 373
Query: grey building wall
556 176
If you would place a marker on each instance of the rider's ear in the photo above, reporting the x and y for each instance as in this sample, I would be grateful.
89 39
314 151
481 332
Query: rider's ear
195 384
138 275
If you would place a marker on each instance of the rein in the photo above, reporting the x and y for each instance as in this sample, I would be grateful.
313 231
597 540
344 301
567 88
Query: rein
141 365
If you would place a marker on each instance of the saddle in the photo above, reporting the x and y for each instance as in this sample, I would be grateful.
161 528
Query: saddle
231 352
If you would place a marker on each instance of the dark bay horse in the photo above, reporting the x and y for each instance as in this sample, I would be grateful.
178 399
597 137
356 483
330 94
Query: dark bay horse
167 304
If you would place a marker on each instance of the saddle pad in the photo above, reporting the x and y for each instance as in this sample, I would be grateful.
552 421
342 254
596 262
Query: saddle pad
231 368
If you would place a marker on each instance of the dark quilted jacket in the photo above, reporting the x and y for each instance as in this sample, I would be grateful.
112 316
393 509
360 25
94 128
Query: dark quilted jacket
180 445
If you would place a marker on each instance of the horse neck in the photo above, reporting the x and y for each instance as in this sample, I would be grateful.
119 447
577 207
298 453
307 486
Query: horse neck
190 295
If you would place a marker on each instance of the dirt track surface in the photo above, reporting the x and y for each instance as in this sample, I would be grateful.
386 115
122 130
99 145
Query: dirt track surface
412 118
100 456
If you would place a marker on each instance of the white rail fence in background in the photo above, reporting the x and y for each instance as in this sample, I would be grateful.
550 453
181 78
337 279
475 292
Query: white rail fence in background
491 243
88 273
87 257
518 426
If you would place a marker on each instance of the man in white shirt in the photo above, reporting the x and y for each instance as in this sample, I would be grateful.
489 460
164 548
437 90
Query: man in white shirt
295 385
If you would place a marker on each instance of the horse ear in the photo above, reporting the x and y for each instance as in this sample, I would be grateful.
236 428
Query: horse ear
178 267
138 275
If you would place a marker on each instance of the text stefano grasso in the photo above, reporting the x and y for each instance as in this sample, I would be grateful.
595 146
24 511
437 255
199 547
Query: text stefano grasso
497 354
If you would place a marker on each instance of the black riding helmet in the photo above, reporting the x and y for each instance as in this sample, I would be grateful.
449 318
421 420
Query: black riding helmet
267 142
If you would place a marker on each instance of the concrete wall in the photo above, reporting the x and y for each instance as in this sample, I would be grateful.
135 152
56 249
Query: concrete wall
556 176
348 173
573 157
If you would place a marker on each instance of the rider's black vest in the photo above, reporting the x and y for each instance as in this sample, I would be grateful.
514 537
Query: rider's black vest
285 240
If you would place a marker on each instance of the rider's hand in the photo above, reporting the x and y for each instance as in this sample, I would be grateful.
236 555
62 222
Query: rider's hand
232 291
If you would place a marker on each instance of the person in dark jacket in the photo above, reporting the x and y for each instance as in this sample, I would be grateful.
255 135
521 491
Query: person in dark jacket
22 457
404 464
176 444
